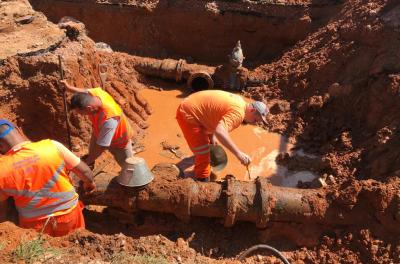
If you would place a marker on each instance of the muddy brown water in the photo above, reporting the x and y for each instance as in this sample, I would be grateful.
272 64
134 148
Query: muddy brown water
261 145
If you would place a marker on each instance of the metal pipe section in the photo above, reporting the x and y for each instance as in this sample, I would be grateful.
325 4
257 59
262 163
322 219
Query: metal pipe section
197 76
258 202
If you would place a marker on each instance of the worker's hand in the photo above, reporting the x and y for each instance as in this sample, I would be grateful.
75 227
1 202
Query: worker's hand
89 187
63 85
244 158
213 139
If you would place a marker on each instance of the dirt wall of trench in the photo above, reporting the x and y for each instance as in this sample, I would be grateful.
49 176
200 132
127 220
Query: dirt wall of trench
160 28
32 99
336 91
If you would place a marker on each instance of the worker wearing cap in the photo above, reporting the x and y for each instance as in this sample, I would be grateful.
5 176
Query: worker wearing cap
208 115
35 175
110 128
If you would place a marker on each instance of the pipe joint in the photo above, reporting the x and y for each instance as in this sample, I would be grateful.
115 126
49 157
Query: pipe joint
265 202
232 200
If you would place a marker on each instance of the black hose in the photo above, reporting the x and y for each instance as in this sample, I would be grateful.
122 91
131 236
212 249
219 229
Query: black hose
263 246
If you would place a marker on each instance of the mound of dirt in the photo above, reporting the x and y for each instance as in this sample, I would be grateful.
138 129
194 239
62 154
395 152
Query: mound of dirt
30 96
25 32
342 86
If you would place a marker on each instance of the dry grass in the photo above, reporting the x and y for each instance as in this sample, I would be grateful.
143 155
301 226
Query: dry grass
34 250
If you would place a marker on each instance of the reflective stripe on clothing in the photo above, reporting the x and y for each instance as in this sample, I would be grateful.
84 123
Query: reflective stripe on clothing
110 109
35 176
199 143
202 152
64 200
60 225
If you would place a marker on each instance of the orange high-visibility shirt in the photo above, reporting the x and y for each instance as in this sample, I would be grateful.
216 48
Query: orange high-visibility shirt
208 108
110 109
35 176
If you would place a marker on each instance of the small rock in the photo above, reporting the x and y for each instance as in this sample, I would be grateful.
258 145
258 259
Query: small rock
180 242
280 107
25 19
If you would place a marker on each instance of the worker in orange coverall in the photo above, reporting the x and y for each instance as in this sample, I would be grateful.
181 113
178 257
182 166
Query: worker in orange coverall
209 115
35 175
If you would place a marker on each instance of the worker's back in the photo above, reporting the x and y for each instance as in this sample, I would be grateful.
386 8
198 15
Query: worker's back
209 107
34 175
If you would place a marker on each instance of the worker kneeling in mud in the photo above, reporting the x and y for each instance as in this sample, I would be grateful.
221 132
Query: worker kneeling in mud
110 128
35 175
207 116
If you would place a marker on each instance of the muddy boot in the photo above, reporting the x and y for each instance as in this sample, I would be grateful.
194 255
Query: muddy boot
203 179
213 176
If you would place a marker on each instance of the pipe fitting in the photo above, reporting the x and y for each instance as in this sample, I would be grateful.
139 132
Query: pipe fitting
199 81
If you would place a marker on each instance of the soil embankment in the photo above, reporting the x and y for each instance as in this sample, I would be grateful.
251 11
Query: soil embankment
160 28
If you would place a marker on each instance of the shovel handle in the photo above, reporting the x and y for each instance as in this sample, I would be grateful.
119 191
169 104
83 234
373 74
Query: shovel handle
103 74
65 103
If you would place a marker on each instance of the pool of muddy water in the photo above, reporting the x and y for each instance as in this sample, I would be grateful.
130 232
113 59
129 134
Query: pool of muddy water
262 146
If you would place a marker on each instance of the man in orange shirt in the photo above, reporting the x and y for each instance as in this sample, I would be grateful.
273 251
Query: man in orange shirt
209 115
35 175
110 128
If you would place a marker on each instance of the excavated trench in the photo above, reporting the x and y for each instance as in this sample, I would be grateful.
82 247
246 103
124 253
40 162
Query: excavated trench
198 31
312 140
169 30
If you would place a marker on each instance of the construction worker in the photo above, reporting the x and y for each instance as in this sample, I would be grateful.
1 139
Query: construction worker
110 128
209 115
35 175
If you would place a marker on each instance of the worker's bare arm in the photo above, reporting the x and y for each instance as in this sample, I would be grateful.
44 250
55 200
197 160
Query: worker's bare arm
84 173
212 138
66 86
95 151
223 136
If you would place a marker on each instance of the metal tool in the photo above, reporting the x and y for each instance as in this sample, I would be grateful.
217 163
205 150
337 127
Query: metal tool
248 171
103 74
65 102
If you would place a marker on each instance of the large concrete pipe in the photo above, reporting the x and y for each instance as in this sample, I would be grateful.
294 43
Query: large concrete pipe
258 202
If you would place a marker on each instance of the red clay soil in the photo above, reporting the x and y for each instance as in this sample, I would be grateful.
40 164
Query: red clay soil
160 28
340 88
334 93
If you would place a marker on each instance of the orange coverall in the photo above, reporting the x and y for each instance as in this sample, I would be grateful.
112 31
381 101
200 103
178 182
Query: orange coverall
198 116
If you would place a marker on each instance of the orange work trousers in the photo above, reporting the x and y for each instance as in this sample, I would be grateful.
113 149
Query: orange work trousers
198 142
60 225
